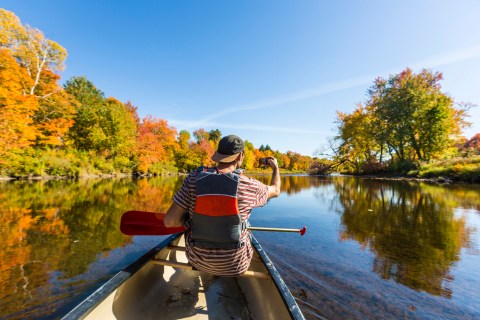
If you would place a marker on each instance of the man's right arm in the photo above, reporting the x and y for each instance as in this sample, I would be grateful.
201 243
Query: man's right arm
175 216
274 187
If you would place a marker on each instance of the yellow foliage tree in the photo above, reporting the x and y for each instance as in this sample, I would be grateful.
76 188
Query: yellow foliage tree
29 46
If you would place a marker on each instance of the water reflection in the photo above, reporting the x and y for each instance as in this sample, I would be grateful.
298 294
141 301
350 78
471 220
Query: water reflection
293 184
53 232
63 227
411 228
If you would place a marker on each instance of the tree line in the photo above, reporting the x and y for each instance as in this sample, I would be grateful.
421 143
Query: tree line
73 130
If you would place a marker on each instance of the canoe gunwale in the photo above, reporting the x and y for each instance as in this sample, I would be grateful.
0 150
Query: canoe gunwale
86 306
285 293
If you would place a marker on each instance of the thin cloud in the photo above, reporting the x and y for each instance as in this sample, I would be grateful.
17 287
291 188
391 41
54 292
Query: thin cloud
284 99
449 58
434 61
196 124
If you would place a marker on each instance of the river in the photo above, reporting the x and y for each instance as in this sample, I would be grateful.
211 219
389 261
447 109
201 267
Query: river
374 249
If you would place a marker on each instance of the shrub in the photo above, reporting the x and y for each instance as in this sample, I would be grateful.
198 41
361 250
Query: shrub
162 168
123 164
460 169
103 166
402 166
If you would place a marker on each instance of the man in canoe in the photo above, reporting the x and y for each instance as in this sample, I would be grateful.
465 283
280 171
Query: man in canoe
214 204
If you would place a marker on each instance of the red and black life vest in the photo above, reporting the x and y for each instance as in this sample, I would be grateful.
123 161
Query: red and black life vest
216 221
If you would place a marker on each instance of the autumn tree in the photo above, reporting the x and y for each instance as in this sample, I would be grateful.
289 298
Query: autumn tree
415 118
207 143
133 110
157 143
17 109
29 46
285 161
249 159
116 130
358 145
215 135
472 146
200 135
185 158
184 139
56 112
406 119
40 58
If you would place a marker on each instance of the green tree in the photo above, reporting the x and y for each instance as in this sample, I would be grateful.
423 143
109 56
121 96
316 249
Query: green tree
406 119
90 102
118 129
215 135
415 118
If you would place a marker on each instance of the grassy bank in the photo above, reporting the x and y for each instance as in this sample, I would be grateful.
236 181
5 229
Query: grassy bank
457 169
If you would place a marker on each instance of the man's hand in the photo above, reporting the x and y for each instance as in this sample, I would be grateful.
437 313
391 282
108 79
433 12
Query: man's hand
272 162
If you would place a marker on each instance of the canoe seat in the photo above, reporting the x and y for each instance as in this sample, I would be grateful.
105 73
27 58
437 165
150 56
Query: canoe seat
187 266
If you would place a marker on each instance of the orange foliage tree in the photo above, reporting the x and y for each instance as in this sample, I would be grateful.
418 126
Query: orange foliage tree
54 116
17 109
156 142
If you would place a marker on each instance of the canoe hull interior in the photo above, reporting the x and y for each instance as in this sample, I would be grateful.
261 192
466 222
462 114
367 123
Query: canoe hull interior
157 291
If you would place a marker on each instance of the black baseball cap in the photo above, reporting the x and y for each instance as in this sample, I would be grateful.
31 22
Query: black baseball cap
228 149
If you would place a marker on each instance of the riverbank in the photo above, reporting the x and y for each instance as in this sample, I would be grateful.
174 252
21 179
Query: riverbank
89 176
454 170
437 180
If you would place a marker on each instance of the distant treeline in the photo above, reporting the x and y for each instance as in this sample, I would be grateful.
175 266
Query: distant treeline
74 130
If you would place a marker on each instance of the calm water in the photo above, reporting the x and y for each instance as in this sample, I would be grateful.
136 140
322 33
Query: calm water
373 250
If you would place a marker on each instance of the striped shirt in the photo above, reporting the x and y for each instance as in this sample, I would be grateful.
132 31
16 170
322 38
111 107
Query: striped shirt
222 262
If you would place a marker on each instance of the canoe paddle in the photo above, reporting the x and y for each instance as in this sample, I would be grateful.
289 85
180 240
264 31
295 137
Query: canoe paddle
142 223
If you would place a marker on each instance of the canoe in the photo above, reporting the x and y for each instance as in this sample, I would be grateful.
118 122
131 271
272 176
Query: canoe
162 285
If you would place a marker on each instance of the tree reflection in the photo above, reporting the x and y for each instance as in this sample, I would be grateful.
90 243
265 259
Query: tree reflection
52 231
62 227
292 184
410 227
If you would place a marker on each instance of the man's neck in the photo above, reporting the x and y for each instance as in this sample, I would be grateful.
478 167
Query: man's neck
225 167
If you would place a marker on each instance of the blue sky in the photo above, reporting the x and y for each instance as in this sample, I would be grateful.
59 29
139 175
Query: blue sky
272 72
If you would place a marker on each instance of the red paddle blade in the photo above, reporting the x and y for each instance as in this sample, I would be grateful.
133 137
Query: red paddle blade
141 223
